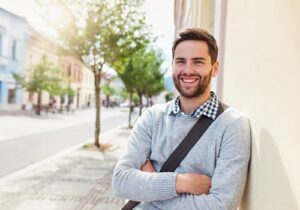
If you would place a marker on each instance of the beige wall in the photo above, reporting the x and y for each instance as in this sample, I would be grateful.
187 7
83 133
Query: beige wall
206 20
193 13
262 79
87 93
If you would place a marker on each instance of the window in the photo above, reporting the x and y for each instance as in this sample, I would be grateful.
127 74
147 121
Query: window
11 95
2 39
14 50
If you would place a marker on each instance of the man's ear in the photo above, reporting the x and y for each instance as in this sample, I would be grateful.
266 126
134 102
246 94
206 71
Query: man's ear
215 69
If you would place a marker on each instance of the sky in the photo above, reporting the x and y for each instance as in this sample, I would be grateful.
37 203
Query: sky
159 14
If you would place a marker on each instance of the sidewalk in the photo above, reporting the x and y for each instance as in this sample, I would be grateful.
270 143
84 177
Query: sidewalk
16 125
75 180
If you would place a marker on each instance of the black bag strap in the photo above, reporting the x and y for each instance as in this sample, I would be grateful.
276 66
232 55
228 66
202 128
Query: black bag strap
184 147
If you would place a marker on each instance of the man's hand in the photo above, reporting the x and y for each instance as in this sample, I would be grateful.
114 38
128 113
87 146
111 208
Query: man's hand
148 167
193 183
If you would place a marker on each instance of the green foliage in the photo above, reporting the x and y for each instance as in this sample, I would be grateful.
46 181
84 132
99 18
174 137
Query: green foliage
123 93
142 73
70 92
154 77
108 90
135 98
169 96
101 32
43 77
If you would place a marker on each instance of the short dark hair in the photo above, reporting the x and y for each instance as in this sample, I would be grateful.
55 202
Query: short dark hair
197 34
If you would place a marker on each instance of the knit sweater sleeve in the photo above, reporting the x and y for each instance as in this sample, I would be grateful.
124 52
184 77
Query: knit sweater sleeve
128 180
229 178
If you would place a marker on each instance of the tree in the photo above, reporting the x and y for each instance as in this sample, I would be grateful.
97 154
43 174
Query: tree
142 75
108 91
154 76
43 77
129 80
148 78
156 87
101 33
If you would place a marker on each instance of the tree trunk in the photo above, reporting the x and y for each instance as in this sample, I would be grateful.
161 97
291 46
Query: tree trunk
130 110
107 104
39 102
62 101
98 105
141 104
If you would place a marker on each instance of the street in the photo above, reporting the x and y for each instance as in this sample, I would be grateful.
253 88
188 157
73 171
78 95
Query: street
27 140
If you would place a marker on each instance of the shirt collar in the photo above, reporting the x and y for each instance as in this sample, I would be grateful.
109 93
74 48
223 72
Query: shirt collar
209 108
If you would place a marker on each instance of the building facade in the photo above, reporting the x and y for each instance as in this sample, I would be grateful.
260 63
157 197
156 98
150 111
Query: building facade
259 72
73 69
81 78
13 40
37 47
87 90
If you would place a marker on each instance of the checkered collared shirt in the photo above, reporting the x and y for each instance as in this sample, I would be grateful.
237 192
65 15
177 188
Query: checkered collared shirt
209 108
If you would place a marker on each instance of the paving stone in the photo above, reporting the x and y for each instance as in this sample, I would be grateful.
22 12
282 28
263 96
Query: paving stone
11 204
85 173
79 180
108 193
66 188
46 205
17 186
104 206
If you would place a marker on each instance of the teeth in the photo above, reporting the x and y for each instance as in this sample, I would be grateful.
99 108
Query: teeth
189 80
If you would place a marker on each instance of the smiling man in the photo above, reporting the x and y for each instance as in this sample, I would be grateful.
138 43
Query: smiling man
213 174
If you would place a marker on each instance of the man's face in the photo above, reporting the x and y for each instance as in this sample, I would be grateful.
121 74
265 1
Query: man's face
192 68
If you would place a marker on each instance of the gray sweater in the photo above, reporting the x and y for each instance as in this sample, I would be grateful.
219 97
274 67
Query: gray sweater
222 153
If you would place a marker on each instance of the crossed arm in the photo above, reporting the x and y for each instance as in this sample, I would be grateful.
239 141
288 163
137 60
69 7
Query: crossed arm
222 191
193 183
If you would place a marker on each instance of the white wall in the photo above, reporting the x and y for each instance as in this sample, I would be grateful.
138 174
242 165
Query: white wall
262 79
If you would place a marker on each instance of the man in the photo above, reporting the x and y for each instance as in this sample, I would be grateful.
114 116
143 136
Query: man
213 175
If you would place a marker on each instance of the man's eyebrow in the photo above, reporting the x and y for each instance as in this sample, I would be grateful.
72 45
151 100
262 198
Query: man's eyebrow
180 58
194 59
198 58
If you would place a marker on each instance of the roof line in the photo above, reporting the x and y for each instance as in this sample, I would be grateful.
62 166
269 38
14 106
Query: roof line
13 14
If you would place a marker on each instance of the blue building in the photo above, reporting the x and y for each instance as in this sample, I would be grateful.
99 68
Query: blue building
13 36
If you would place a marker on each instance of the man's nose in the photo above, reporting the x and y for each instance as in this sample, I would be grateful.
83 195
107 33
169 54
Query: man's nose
188 68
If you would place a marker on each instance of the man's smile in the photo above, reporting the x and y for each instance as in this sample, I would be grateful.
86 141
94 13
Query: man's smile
188 80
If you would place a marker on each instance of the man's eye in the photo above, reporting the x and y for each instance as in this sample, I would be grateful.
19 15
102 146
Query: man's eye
179 61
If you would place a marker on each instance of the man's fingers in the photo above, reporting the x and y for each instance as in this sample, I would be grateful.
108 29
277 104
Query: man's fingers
148 167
